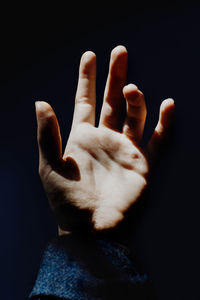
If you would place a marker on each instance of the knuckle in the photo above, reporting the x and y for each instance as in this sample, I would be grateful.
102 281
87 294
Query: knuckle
81 99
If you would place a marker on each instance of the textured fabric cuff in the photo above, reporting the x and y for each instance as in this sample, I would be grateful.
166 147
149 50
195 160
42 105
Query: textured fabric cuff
79 267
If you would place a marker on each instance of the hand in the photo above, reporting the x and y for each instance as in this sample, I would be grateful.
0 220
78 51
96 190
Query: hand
103 171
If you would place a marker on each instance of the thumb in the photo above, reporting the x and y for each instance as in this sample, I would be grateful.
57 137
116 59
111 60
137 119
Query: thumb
48 135
166 117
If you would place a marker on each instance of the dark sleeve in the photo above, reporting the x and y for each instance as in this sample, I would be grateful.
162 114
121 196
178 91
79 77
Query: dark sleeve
87 268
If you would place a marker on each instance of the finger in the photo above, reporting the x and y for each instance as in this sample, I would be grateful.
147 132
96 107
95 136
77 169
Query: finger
48 135
85 100
166 117
111 113
136 113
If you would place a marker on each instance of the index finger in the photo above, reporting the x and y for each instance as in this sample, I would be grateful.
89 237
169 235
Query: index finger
85 99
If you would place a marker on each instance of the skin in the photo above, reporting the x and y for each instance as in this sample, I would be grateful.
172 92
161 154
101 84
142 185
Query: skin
103 170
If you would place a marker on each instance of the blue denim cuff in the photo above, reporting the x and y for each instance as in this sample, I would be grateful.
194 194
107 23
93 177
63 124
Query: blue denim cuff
78 267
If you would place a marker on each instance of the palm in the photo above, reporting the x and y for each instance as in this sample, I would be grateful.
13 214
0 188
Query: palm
112 174
103 170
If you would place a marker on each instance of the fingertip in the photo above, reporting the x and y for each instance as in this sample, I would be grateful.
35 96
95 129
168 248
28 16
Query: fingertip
167 103
88 59
119 54
129 88
87 55
170 101
133 95
41 105
43 109
167 107
120 49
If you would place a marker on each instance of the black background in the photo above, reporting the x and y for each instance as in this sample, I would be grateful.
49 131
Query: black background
40 53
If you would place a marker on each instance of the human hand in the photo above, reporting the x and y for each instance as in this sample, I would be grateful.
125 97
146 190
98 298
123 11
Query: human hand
103 170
